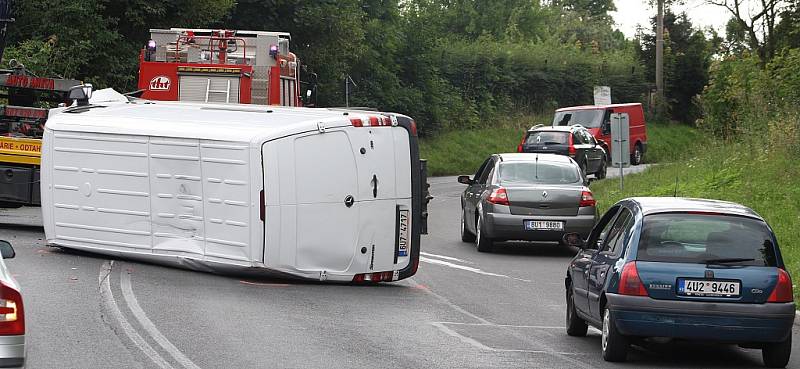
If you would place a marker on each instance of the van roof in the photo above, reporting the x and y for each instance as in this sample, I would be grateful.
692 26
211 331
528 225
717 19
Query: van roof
225 122
597 107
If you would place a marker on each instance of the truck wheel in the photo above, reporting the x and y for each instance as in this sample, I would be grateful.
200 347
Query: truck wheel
615 345
483 243
576 326
776 355
637 154
466 235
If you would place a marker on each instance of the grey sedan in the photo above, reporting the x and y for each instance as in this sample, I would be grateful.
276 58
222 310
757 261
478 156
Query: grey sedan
528 197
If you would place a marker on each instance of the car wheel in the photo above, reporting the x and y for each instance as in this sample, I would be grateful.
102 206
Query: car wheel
636 155
601 173
615 345
582 165
483 243
776 355
576 326
466 235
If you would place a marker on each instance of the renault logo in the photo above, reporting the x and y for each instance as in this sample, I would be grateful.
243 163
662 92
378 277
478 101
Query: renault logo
709 274
544 194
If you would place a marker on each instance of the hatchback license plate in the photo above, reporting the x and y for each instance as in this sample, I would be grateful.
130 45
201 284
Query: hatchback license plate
543 225
702 287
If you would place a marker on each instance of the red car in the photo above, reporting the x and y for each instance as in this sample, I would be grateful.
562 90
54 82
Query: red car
597 119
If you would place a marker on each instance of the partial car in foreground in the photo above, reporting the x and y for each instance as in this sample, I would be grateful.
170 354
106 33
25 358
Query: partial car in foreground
12 314
689 269
528 197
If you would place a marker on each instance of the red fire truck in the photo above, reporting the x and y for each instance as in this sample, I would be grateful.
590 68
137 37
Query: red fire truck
220 66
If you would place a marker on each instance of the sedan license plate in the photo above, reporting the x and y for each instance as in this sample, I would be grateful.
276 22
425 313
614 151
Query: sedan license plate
543 225
702 287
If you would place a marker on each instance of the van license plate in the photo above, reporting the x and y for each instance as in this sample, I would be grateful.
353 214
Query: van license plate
402 234
702 287
543 225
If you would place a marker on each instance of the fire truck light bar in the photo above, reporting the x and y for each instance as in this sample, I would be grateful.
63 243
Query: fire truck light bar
209 70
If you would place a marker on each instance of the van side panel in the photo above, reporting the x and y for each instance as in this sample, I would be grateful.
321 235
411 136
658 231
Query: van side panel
101 191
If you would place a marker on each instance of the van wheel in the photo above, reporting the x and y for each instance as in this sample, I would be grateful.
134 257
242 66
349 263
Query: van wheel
636 155
466 235
776 355
483 243
615 345
601 173
576 326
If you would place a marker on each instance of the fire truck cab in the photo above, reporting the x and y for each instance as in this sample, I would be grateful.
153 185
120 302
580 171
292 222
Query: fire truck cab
219 66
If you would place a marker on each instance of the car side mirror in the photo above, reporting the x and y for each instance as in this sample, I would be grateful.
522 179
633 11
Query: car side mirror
6 250
574 240
465 180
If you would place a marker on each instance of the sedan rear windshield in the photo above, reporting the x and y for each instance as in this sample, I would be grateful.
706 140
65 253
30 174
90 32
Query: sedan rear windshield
513 173
591 118
706 239
548 138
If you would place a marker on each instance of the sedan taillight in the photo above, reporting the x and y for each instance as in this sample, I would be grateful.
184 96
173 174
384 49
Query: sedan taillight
12 314
783 291
587 199
499 196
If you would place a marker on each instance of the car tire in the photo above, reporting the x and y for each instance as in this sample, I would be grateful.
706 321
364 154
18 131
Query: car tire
466 235
601 173
582 166
637 154
576 326
614 344
482 243
776 355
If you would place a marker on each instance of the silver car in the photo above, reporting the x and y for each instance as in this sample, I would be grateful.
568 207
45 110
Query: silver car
528 197
12 316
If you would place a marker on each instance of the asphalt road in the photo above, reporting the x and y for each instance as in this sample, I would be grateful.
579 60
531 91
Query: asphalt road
463 309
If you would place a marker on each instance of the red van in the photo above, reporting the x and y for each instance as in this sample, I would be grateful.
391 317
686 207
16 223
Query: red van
597 119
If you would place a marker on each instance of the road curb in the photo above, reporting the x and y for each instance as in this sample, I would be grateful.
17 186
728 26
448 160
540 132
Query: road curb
797 315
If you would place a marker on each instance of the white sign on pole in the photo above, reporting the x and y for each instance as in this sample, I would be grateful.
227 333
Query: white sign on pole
602 95
620 140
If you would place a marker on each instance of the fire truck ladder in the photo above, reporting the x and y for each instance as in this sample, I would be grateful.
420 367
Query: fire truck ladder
227 91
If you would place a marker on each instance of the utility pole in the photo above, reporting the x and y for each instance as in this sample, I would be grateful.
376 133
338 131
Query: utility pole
660 52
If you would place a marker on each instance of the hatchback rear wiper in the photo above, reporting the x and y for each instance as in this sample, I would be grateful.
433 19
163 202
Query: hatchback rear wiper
727 260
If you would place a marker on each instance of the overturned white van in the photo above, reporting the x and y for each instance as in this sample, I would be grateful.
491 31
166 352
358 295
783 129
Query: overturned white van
314 193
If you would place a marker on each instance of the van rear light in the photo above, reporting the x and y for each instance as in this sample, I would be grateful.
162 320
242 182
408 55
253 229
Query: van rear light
373 277
587 199
571 146
629 282
413 128
12 313
499 196
783 291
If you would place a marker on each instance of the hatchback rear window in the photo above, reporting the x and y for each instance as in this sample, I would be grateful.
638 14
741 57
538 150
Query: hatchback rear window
547 138
706 238
542 173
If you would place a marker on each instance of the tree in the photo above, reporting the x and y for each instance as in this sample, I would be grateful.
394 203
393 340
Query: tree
758 27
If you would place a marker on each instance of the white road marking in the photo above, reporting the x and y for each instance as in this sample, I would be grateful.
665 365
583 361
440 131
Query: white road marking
127 328
504 325
139 314
445 257
467 268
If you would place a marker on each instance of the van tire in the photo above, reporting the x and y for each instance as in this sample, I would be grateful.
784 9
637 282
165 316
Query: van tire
776 355
482 243
637 154
466 235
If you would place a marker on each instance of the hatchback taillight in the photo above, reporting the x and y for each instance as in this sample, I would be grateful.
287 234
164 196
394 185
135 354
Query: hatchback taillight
587 199
629 281
12 314
571 146
783 291
522 142
499 196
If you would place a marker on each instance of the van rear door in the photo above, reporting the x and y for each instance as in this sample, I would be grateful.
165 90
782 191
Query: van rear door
333 198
